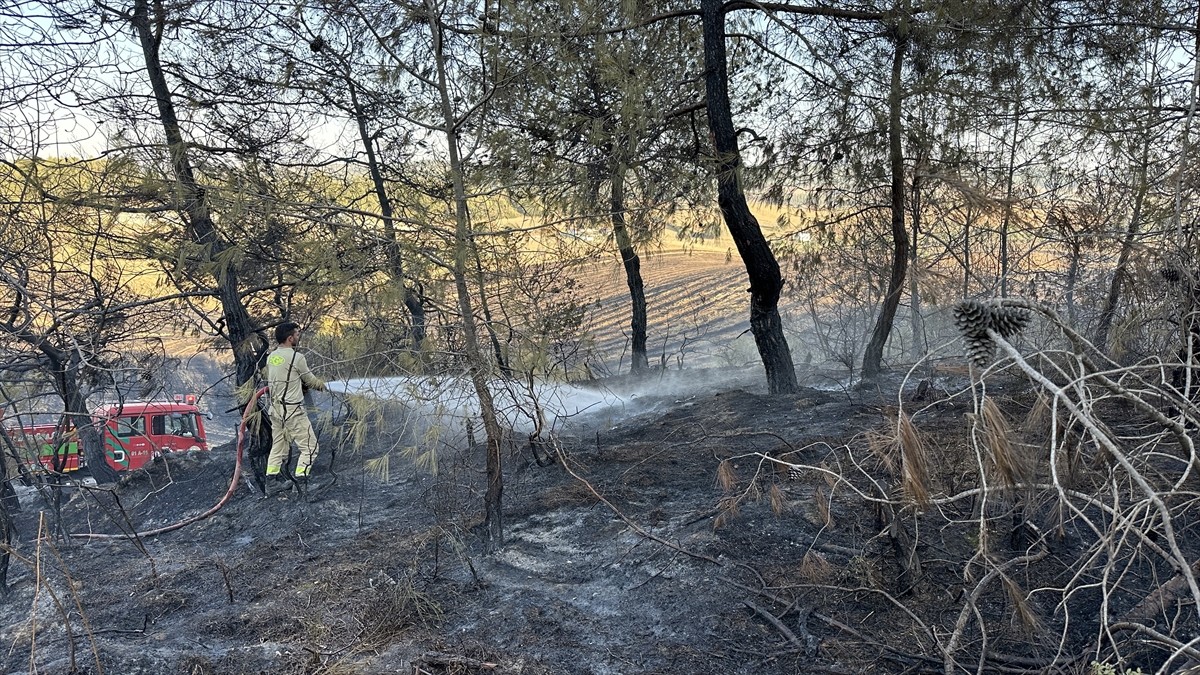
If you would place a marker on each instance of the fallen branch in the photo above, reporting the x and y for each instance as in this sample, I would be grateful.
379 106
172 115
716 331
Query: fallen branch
774 621
951 666
834 623
1161 598
444 659
1108 445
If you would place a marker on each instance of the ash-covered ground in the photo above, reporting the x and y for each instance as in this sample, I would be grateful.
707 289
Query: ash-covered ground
668 543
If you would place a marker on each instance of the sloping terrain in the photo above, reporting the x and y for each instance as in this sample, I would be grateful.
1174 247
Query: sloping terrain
666 543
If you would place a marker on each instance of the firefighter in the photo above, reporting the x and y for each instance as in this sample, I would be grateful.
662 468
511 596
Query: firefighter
288 376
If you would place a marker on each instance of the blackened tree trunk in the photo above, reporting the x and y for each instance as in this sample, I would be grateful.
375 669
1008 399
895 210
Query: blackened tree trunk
919 343
766 282
485 308
1006 218
6 536
8 505
873 358
633 269
1073 281
968 222
64 369
8 453
463 241
412 301
76 408
1109 312
247 344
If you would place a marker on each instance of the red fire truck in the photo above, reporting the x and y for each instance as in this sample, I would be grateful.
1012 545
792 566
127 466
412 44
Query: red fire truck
132 433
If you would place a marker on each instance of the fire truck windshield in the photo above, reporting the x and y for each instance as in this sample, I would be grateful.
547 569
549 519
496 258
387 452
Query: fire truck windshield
175 424
182 424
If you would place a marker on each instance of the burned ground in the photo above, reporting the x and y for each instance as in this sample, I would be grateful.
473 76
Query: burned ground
670 542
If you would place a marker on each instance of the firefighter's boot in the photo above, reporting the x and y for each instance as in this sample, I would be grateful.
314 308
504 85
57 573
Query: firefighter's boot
277 484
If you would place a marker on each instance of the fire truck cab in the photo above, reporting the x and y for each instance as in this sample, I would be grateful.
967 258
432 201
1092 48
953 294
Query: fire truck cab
132 434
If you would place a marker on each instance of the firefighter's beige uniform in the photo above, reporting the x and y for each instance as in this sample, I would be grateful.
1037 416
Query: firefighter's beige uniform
287 375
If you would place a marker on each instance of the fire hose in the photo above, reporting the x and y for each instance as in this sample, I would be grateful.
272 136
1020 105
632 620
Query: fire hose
233 483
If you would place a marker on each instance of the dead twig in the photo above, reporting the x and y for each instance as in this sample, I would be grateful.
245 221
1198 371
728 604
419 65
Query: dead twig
834 623
445 660
774 621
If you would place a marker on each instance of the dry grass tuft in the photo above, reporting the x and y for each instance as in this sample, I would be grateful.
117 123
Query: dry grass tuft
816 569
828 476
914 459
883 447
778 503
865 571
728 510
395 606
1038 418
726 477
568 494
821 506
754 490
1022 611
903 453
1038 425
1070 455
1011 467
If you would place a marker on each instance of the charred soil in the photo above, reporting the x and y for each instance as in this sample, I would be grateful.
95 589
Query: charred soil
723 532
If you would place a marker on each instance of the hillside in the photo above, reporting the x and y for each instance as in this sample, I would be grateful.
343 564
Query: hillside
667 543
697 307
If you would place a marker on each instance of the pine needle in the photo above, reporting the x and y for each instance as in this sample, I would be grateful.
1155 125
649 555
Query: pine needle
815 568
821 504
729 511
1010 467
778 503
1022 610
828 476
1038 418
726 477
914 460
883 446
379 467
